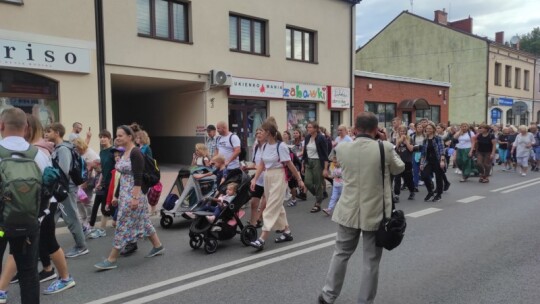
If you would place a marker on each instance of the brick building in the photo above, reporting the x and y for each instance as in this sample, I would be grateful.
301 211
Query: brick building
389 96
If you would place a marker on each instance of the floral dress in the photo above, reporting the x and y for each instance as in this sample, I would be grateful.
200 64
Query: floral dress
131 224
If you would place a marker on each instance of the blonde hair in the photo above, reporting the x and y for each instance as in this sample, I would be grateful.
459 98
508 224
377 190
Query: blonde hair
143 136
202 148
218 158
80 144
234 186
522 128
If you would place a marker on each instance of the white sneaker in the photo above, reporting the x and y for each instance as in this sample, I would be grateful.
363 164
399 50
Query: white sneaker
420 183
523 174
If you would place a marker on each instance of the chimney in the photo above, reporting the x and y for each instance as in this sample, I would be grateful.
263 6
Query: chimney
441 17
499 37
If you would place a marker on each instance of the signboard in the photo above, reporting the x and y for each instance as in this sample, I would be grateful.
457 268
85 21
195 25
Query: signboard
298 91
200 131
505 101
339 98
29 55
256 88
519 108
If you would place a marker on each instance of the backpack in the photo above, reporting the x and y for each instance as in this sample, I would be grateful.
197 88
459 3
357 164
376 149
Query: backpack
20 192
243 153
170 201
151 175
77 170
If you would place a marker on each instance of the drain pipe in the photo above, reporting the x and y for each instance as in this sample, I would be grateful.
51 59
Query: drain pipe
100 62
352 57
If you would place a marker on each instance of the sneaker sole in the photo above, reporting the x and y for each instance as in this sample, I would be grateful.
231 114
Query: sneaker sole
86 251
106 268
51 277
70 285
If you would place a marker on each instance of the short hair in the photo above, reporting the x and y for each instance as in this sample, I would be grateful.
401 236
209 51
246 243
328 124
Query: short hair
211 128
522 128
234 186
14 119
58 128
35 129
143 136
76 123
483 126
105 133
366 122
218 158
80 144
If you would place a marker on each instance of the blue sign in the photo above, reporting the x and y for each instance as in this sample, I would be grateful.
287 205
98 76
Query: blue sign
495 114
506 101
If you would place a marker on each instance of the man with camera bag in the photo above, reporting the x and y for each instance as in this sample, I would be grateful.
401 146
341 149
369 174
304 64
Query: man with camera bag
360 207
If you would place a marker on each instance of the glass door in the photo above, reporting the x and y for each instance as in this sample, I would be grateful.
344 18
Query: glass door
245 116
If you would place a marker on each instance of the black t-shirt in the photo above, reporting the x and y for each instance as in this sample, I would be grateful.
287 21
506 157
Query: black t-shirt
431 154
404 153
484 142
504 138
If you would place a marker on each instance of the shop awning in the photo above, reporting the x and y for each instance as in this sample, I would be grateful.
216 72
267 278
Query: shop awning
414 104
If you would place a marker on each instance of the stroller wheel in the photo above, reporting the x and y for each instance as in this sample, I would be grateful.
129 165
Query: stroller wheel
196 241
211 245
166 221
248 235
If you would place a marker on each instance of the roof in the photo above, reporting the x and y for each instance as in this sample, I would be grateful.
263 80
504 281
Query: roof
401 78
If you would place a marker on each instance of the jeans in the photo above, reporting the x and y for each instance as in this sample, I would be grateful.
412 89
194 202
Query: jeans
336 193
25 252
68 210
502 155
416 173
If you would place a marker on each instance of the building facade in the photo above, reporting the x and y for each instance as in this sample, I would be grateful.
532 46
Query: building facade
412 46
176 66
536 95
391 96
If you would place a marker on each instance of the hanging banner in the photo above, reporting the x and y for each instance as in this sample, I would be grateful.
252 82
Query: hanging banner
298 91
339 98
256 88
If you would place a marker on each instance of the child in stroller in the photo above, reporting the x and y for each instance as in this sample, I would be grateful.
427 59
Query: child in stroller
221 202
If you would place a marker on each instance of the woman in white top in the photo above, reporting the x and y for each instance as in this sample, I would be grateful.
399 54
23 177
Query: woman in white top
523 147
275 155
257 195
466 140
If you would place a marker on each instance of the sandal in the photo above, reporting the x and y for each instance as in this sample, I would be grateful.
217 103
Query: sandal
315 209
327 211
292 203
284 237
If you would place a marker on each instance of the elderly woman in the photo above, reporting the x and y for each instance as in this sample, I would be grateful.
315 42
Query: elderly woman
133 221
523 147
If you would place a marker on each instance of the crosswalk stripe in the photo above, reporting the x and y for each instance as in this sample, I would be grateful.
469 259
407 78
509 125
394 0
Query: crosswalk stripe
520 187
512 186
423 212
470 199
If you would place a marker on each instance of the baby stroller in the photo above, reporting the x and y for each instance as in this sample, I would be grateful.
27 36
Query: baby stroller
228 223
183 199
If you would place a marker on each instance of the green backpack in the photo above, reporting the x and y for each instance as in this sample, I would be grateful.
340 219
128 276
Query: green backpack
20 192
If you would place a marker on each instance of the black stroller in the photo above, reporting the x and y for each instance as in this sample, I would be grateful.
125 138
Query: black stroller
228 223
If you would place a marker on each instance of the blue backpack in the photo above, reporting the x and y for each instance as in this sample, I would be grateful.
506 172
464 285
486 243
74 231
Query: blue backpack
170 201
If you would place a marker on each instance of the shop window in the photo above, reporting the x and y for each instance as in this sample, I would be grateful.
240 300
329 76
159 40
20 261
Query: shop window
385 112
33 94
247 35
300 44
335 121
509 117
299 114
524 119
433 114
163 19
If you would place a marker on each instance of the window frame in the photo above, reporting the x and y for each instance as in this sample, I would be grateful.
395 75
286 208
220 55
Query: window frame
264 40
510 117
422 112
498 74
508 76
526 84
152 15
517 80
313 43
387 123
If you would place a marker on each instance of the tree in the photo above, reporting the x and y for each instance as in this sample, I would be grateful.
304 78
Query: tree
531 42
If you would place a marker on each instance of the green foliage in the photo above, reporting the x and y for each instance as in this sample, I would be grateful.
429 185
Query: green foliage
531 42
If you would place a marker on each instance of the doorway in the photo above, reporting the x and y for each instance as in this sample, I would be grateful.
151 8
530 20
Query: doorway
245 116
406 117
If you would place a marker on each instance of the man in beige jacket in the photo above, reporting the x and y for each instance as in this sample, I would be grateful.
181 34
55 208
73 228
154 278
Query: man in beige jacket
360 208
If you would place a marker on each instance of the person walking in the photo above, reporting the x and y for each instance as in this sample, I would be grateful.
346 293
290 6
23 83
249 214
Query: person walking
133 221
211 143
432 162
359 209
257 201
228 145
275 156
523 147
485 146
417 139
62 156
466 140
404 149
314 162
23 246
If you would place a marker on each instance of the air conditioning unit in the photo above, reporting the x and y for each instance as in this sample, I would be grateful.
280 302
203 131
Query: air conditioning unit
220 78
494 101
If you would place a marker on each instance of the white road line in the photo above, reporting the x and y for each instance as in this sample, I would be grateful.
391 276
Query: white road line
470 199
512 186
146 288
423 212
520 187
171 291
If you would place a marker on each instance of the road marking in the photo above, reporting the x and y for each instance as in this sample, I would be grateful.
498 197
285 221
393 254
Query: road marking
512 186
178 289
470 199
423 212
146 288
520 187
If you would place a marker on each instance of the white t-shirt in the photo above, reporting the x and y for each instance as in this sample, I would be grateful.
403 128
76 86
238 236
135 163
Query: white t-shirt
464 141
270 156
226 150
199 161
521 143
339 140
257 157
312 150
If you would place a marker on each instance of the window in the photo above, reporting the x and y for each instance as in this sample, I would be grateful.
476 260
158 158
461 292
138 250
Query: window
299 114
517 82
163 19
385 112
433 114
300 44
524 119
526 75
497 74
247 35
508 76
509 117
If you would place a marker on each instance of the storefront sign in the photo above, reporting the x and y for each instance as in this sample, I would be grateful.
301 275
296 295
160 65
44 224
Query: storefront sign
200 131
339 98
29 55
256 88
506 101
297 91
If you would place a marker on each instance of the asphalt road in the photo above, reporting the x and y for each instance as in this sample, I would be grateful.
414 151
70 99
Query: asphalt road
478 245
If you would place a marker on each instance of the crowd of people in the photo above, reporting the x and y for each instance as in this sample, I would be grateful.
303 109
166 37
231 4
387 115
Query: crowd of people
286 167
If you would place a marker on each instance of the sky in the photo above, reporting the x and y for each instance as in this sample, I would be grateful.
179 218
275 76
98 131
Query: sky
489 16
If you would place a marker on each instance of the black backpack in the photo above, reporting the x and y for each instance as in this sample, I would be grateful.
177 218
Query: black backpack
77 170
151 174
